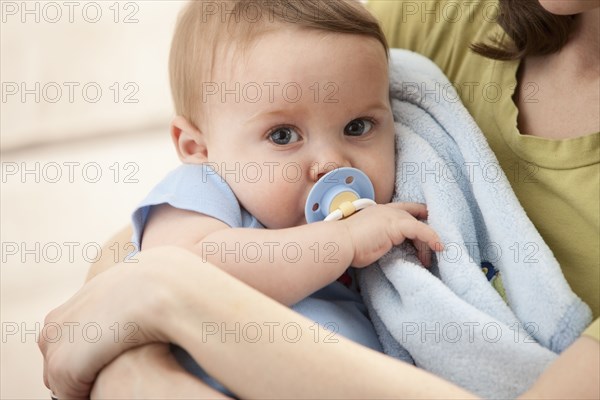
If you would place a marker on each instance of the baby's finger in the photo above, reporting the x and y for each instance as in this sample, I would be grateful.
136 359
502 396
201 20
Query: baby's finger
416 230
417 210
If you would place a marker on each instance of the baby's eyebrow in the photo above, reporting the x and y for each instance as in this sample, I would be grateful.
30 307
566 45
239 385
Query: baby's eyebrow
354 110
375 106
273 113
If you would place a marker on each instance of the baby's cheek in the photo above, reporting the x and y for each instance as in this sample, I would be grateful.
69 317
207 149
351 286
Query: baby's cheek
267 205
386 186
385 196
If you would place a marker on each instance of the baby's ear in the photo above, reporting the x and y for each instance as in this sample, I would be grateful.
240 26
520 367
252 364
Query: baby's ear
189 142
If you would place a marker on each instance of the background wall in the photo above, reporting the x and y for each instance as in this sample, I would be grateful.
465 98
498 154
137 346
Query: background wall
85 108
80 69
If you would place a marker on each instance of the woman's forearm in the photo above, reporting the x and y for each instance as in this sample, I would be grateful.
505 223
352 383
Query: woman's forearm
271 351
109 258
149 372
252 344
259 348
574 375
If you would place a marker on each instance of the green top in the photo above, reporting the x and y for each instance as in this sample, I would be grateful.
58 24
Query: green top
556 181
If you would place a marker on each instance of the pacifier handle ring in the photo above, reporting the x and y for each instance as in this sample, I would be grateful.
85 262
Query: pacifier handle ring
358 205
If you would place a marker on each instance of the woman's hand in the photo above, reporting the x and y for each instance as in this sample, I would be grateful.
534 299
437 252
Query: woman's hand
149 372
115 311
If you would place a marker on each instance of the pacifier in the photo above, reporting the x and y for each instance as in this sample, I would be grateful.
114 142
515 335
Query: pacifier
339 194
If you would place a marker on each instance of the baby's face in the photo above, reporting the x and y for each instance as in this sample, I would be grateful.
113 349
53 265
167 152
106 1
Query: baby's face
297 105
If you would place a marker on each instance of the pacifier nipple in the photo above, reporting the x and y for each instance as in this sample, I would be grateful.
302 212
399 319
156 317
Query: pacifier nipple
339 194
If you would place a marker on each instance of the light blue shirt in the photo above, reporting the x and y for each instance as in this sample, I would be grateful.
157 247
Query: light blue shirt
194 188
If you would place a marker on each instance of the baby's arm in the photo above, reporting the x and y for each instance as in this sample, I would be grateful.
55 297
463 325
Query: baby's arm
290 264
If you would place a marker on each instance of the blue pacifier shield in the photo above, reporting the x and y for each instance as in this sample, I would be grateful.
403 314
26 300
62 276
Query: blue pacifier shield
332 184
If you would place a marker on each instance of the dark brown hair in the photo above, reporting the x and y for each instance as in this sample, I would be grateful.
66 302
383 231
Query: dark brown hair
533 30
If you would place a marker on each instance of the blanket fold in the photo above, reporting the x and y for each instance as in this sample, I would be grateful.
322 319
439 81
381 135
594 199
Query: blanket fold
450 319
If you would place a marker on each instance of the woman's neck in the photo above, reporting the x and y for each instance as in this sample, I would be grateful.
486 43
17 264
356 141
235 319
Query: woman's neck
567 85
581 54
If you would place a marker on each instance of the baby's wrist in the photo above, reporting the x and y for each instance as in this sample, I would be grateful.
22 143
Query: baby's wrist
345 243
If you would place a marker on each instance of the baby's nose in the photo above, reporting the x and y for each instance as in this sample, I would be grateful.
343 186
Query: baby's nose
318 169
328 155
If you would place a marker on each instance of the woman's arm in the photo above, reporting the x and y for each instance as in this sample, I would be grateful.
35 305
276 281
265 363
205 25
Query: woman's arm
291 358
149 372
217 318
574 375
107 259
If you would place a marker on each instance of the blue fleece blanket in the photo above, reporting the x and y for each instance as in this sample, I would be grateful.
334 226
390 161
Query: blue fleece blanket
451 319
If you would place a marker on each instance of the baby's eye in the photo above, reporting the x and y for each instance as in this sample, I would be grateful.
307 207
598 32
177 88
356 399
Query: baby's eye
284 135
358 127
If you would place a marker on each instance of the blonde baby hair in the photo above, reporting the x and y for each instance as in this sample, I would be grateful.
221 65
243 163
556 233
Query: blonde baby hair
205 30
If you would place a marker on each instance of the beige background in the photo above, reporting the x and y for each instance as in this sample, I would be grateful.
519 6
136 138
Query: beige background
66 204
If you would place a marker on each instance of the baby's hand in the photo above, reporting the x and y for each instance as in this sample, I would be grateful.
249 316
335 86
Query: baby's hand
376 229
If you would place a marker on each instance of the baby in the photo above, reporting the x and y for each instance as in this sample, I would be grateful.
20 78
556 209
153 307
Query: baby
270 96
